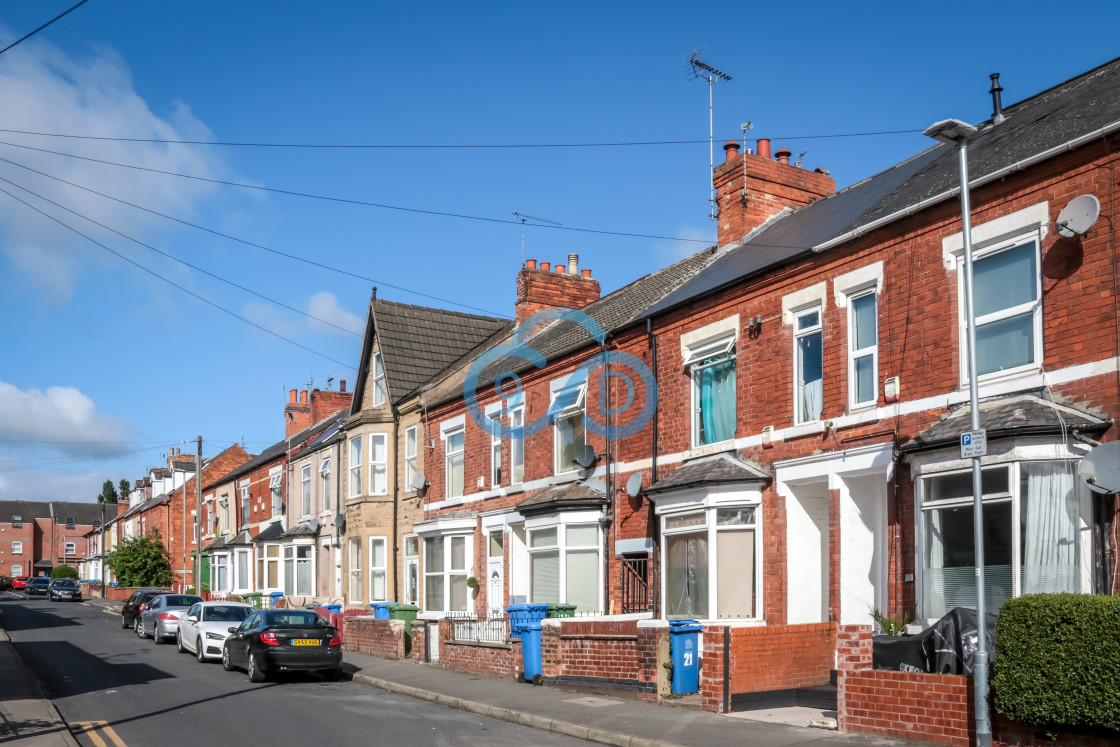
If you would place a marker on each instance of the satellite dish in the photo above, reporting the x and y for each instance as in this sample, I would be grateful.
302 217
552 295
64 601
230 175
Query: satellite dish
340 520
1101 468
419 481
634 484
313 524
585 456
1078 216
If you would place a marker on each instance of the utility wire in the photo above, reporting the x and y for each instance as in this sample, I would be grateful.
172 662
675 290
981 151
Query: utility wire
435 146
36 31
173 283
180 261
349 201
297 258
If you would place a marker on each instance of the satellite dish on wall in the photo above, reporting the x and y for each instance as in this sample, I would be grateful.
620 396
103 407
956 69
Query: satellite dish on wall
340 520
1078 216
1100 468
634 484
585 456
313 524
419 481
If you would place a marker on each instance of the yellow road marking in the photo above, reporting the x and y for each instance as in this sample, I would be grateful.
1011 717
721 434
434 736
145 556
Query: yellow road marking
93 727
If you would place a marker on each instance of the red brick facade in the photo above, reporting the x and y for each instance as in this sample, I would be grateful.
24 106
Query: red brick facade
384 639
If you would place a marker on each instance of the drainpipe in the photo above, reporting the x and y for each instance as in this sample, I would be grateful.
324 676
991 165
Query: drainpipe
656 555
396 498
608 520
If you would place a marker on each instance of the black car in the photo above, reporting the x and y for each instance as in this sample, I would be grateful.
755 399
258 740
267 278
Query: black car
37 586
64 589
270 641
135 604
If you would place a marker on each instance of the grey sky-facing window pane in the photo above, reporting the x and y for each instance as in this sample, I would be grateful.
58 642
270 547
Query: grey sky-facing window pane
864 321
865 378
1005 344
1003 280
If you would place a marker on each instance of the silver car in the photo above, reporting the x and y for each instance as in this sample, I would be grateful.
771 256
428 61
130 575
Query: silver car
160 619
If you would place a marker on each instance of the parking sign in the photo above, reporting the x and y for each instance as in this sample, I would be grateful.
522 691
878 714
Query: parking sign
974 444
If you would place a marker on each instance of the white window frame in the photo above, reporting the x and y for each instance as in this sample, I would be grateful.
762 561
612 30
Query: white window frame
411 566
355 481
379 571
69 548
378 380
493 414
578 409
798 335
1033 307
305 490
447 459
245 510
411 458
447 571
264 561
17 570
17 547
220 566
560 523
859 353
276 490
517 446
354 566
290 555
239 581
378 469
325 476
724 347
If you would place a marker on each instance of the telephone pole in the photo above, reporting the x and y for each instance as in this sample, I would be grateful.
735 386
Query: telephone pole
197 572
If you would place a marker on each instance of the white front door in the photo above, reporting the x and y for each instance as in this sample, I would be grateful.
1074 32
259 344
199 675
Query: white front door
495 586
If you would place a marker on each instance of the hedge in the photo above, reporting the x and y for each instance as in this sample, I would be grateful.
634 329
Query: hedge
1057 660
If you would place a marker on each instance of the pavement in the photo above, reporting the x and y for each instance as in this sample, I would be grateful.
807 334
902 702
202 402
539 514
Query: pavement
33 719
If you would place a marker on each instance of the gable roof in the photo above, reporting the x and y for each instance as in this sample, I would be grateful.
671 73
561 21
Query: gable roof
1042 126
418 343
83 513
277 450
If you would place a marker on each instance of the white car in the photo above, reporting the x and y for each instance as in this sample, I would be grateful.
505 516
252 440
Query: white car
205 627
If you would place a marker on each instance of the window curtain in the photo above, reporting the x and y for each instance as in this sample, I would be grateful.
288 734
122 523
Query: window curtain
717 401
687 578
811 377
1050 519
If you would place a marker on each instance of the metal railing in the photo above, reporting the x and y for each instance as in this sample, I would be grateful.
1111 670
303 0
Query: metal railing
635 585
480 628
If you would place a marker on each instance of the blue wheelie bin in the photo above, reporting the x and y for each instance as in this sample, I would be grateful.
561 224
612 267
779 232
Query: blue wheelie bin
531 652
381 610
519 614
335 608
684 647
276 596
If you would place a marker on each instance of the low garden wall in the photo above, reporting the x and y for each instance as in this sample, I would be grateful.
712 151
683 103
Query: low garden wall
364 634
616 656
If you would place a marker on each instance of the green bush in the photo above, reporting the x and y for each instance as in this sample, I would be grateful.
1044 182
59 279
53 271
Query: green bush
64 571
1057 660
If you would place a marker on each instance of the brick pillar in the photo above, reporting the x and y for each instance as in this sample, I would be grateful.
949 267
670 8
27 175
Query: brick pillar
419 637
714 694
853 652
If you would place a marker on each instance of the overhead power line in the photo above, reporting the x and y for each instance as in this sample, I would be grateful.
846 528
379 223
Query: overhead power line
205 300
379 283
48 23
349 201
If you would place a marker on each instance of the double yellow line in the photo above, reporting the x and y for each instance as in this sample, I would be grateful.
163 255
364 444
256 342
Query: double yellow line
95 730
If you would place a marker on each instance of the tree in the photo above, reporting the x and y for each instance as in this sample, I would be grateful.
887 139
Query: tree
125 489
141 561
108 493
64 571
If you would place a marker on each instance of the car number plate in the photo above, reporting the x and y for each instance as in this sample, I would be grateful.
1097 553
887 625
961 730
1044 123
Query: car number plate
305 642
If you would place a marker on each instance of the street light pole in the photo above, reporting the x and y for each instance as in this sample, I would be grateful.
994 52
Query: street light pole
956 131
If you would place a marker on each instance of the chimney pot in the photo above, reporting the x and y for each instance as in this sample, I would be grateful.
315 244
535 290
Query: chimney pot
573 263
764 148
561 268
342 385
731 148
783 155
303 397
292 396
546 266
530 264
586 273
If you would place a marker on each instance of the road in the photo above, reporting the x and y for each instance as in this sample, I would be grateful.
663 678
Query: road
114 688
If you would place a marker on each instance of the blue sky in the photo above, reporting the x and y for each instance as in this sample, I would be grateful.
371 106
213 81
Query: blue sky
104 366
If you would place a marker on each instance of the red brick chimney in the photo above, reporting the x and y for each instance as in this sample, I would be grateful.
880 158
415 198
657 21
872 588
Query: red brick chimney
542 288
325 404
297 413
771 185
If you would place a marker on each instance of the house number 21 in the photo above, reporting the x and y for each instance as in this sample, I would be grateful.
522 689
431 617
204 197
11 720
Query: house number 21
688 658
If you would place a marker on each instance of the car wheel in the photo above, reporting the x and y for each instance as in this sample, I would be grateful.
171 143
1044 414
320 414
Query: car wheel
198 652
256 674
124 621
156 637
140 628
179 643
226 663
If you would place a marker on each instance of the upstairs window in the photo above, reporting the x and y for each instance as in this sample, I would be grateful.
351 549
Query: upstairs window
17 548
378 381
454 462
517 446
712 368
863 350
70 548
355 467
325 474
17 522
69 522
245 505
568 404
1006 293
305 490
276 491
378 464
411 459
808 366
496 456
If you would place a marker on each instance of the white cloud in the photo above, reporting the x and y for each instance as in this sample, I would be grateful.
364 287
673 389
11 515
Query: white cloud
46 90
60 415
324 305
33 485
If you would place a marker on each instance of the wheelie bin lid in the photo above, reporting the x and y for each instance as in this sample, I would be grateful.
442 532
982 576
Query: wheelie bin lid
684 626
529 625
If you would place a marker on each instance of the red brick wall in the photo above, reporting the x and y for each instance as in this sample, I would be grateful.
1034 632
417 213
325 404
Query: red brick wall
25 535
543 289
932 707
601 649
491 659
381 638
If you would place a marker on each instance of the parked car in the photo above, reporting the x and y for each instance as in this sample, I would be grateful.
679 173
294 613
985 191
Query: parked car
64 589
205 627
37 586
159 620
19 582
135 604
270 641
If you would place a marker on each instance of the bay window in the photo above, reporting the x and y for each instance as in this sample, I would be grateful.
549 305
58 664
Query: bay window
712 369
564 565
298 571
219 572
447 562
355 467
241 579
808 366
378 464
268 568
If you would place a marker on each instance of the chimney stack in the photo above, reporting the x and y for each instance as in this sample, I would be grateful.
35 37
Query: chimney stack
297 414
567 287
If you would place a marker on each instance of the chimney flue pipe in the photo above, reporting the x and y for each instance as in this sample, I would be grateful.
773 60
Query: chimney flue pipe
997 104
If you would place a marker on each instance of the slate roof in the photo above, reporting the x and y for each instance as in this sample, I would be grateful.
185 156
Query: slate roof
218 544
719 469
564 497
301 530
241 539
276 451
1020 415
83 513
418 343
1078 108
270 533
